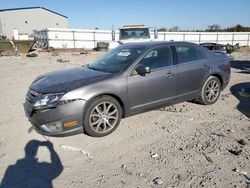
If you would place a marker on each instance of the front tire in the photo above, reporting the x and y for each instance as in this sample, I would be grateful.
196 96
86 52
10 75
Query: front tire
102 116
210 91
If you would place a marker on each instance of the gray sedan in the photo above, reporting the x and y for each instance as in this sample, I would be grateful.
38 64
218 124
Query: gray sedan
131 79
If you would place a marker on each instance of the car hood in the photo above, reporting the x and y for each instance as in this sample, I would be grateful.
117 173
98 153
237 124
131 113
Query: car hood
67 80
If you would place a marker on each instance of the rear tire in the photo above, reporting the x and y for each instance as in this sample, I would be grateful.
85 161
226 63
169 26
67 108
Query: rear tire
210 91
102 116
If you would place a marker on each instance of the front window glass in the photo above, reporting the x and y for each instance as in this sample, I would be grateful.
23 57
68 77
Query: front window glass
157 58
142 33
116 60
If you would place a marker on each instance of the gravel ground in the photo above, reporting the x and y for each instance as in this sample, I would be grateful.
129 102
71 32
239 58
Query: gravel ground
185 145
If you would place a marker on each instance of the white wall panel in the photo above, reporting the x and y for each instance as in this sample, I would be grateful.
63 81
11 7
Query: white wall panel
61 44
103 36
192 37
85 44
60 35
174 37
83 38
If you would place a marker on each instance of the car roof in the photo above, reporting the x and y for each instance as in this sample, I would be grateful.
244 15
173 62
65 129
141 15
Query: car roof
154 43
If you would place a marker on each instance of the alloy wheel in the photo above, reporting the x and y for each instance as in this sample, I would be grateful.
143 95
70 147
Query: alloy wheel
103 117
212 91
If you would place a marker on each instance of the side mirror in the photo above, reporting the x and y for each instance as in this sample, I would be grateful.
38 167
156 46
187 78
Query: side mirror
141 70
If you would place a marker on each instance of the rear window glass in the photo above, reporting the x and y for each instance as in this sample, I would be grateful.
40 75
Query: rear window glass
188 54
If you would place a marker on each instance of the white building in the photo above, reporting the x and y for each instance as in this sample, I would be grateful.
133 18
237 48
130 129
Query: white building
25 20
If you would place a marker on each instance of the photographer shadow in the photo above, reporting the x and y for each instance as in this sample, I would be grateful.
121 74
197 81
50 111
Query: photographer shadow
242 92
28 172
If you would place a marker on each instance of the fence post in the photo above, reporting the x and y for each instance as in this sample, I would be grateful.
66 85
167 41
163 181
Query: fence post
165 36
199 38
47 37
217 38
73 32
94 39
248 39
233 39
183 36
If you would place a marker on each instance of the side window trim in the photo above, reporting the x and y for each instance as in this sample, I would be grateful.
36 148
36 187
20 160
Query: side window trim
174 55
190 62
162 68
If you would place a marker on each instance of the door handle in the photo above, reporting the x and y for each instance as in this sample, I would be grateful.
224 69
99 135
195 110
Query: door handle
205 67
169 75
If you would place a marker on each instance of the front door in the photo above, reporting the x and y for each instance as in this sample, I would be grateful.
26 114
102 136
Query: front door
155 88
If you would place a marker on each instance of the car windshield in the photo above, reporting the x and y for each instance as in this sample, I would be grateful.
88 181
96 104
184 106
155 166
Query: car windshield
116 60
142 33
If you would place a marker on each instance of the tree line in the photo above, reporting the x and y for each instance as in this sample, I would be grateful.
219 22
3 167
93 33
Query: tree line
211 28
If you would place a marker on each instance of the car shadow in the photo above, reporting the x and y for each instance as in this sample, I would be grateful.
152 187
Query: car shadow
244 66
242 92
28 172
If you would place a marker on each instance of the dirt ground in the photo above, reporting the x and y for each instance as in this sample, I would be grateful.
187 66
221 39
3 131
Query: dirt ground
185 145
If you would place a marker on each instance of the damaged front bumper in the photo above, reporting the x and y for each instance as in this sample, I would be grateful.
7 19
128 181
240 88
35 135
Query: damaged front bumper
61 120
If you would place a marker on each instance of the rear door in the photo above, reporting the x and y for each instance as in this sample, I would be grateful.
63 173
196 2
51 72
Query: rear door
191 70
155 88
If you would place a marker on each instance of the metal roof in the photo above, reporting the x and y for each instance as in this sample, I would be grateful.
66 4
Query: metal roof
24 8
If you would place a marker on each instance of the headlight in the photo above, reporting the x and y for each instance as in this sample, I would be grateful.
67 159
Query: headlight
49 100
